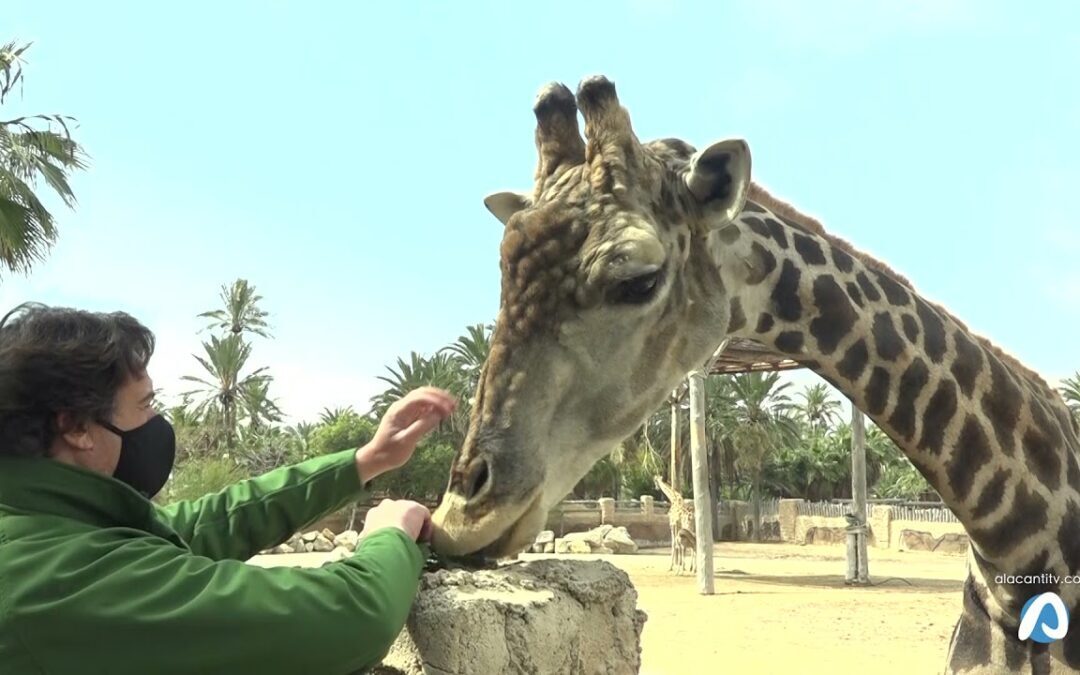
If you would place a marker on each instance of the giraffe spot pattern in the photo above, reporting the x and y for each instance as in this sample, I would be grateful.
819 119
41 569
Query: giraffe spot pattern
765 323
738 318
967 364
1028 516
793 225
867 286
837 316
776 231
809 249
1073 472
729 234
1001 403
758 226
763 264
877 391
912 382
785 294
992 494
1071 647
911 328
888 342
1037 566
853 364
939 412
971 453
790 341
842 260
1069 537
970 646
934 331
854 294
1042 458
894 292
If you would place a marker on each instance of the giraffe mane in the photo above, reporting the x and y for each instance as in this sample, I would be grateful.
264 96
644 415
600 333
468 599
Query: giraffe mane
760 195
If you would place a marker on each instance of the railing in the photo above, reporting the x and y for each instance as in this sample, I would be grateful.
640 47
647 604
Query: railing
925 515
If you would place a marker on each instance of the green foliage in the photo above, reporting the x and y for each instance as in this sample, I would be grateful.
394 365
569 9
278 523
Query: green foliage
197 477
902 481
1070 391
347 430
425 476
636 480
29 154
602 480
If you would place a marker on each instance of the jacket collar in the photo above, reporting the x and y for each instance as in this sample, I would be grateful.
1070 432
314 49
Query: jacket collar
46 486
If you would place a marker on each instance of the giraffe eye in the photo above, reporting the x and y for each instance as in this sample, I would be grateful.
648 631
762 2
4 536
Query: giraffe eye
637 290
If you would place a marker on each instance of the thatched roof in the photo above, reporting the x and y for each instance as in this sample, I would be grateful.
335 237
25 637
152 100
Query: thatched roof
744 356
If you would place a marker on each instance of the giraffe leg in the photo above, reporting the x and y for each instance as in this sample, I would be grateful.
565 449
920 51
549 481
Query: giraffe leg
674 547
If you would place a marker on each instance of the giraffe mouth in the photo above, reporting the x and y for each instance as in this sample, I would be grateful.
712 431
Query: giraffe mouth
520 533
500 532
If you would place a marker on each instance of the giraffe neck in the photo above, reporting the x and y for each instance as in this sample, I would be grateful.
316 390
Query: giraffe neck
987 434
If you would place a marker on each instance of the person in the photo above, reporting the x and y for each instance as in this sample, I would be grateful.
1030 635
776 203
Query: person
97 578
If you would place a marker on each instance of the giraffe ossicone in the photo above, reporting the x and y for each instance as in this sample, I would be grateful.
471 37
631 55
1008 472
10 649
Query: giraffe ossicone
624 267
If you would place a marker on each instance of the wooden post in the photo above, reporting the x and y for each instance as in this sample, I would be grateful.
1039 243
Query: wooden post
858 493
703 517
703 514
673 477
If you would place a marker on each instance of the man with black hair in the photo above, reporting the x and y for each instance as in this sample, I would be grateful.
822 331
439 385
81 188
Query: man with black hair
96 578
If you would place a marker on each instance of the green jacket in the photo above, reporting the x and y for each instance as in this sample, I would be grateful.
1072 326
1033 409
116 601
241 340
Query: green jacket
94 578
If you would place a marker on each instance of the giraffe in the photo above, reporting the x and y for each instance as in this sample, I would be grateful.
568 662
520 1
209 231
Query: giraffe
681 521
627 264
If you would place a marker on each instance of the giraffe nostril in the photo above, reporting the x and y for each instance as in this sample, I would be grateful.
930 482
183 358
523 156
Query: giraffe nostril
477 479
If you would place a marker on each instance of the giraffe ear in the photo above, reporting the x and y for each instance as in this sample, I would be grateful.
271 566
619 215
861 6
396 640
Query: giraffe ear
505 204
719 177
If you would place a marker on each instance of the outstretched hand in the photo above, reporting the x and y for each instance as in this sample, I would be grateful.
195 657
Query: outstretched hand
407 421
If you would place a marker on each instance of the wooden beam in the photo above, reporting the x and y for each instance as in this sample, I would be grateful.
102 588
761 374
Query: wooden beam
700 458
858 496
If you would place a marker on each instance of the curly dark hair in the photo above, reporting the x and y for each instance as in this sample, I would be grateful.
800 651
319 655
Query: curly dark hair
57 359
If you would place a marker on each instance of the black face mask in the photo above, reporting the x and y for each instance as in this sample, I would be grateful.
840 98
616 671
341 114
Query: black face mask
146 455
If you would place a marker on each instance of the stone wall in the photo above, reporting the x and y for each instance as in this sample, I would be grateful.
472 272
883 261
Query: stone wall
885 530
647 523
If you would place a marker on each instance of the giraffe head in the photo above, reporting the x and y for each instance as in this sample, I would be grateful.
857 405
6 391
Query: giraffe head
608 299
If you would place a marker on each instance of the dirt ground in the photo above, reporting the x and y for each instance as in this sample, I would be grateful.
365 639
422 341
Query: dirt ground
781 608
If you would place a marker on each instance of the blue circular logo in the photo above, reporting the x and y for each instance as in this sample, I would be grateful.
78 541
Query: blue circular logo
1044 618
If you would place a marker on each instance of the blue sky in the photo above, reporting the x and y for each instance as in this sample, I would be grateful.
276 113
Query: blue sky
336 155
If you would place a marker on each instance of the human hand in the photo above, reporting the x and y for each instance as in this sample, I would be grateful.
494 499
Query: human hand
410 517
401 428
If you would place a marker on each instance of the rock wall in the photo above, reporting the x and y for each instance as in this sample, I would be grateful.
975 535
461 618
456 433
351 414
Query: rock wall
542 616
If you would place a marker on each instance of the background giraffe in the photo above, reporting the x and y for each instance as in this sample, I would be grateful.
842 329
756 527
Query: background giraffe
681 521
628 263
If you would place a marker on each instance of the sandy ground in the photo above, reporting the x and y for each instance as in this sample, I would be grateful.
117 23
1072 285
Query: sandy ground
780 608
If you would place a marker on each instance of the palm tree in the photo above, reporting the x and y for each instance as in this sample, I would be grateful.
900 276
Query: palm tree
223 393
762 423
818 407
302 432
260 410
27 228
440 370
328 417
241 313
469 353
1070 391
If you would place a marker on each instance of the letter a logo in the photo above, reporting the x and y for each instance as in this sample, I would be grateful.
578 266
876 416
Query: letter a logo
1044 618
